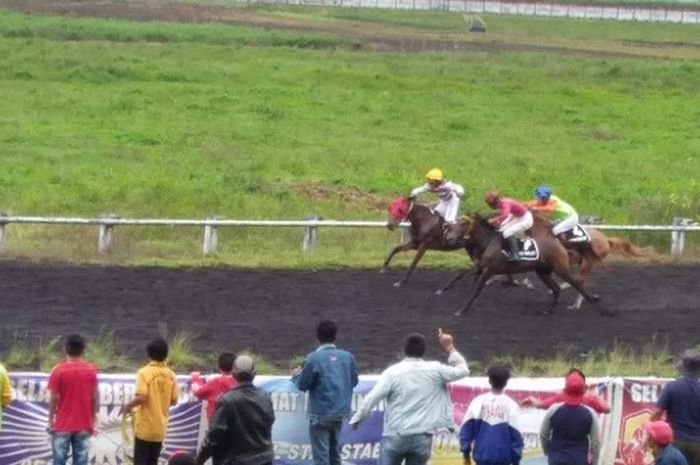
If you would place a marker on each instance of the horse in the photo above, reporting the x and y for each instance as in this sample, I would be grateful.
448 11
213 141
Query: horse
587 254
488 247
426 231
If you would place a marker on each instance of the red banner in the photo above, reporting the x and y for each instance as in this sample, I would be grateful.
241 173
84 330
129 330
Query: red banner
638 404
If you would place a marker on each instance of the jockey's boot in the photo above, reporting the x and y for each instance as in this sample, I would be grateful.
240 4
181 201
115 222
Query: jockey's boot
512 242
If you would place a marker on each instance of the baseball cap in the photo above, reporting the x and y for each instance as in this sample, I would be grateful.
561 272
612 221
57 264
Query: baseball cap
574 389
244 364
660 432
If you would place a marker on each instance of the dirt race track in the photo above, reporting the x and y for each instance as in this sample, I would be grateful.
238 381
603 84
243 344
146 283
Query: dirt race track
274 312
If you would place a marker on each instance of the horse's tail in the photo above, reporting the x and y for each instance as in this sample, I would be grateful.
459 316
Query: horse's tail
625 247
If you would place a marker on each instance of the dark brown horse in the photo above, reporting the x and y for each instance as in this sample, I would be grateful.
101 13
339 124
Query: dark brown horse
488 247
426 231
586 255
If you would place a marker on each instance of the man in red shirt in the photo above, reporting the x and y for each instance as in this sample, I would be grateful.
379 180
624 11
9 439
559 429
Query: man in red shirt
597 403
211 390
73 399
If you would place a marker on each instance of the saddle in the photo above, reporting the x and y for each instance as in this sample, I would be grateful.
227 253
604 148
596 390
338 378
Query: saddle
527 249
577 235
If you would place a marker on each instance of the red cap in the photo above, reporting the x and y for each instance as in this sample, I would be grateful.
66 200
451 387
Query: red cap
574 389
660 432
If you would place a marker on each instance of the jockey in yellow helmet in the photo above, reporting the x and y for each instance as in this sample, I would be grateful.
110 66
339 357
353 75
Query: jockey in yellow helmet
448 192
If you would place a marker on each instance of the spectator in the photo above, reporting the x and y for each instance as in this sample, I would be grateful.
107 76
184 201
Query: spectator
680 399
211 390
591 400
73 400
491 424
571 431
156 391
417 401
241 431
659 441
329 374
5 391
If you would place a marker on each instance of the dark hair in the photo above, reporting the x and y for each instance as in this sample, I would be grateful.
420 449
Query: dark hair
414 345
326 331
226 361
244 377
75 345
576 370
157 350
498 376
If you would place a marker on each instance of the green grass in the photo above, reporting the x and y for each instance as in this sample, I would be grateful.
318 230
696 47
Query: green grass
186 120
654 360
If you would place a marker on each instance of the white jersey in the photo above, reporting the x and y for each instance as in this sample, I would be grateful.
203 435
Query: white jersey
449 193
445 191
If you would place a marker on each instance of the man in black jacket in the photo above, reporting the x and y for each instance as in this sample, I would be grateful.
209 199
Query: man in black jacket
240 432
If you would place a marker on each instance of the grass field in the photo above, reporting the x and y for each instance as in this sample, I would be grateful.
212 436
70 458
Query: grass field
154 119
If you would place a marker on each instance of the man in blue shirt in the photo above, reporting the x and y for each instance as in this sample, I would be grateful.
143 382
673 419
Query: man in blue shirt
680 399
329 375
659 441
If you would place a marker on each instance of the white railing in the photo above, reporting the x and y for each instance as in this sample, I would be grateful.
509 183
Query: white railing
107 223
687 13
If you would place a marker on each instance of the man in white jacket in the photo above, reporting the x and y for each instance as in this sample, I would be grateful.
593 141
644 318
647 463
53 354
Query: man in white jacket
417 401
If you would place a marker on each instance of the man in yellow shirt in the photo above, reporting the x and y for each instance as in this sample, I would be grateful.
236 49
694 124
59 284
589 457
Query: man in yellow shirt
156 391
5 391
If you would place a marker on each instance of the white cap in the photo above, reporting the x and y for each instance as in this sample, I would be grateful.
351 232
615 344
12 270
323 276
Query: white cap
243 364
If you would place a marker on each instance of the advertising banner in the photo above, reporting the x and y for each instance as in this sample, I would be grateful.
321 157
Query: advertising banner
638 403
25 441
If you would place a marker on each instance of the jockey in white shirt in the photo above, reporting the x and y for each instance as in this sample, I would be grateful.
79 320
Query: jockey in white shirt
448 192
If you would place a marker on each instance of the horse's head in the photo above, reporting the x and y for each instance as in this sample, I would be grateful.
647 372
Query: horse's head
399 209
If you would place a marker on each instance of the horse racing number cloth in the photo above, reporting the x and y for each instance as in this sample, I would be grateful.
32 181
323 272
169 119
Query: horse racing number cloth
24 440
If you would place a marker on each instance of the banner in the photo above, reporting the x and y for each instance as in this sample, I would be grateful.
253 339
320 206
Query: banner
638 403
25 441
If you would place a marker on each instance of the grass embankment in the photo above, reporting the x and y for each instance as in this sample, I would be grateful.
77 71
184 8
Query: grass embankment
186 120
654 360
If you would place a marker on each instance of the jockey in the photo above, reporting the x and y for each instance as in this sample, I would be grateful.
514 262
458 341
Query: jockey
560 213
448 192
513 218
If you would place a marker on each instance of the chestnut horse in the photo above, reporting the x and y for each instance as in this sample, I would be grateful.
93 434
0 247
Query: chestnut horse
586 255
490 260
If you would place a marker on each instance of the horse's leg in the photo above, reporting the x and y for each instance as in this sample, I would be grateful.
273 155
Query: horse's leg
587 263
576 283
546 276
480 283
419 254
399 248
470 271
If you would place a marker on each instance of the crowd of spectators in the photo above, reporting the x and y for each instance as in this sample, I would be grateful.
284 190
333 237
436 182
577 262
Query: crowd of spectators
415 395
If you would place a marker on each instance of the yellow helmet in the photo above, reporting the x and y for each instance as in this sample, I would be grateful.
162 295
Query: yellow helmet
434 174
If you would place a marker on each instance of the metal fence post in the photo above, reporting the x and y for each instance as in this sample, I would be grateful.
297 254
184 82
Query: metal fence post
2 231
211 237
104 240
310 234
678 237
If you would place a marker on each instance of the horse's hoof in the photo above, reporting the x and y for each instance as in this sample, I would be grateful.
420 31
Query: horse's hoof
382 270
574 308
439 292
397 284
564 286
458 312
595 298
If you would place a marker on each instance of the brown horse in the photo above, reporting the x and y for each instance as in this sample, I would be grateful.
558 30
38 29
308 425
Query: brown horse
586 255
426 230
488 247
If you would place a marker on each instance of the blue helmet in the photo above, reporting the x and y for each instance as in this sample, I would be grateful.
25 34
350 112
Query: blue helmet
543 192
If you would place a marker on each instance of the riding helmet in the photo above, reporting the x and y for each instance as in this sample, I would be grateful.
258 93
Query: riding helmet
543 192
434 174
